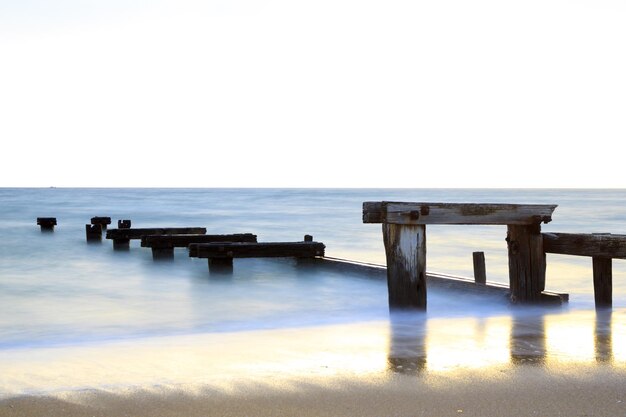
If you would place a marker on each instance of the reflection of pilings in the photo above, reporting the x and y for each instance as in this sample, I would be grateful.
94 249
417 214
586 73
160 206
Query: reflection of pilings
407 345
603 337
528 340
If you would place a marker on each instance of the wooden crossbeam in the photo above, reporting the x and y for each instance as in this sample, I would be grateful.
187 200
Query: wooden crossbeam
257 250
600 245
456 213
182 241
137 233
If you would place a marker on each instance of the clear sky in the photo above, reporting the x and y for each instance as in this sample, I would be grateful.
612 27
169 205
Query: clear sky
324 93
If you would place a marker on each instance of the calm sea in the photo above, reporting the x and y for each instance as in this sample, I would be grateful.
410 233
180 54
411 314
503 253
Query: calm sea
56 289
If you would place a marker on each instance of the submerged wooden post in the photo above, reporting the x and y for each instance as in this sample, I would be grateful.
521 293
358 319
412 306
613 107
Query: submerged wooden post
480 274
47 223
527 262
93 232
162 252
405 247
603 282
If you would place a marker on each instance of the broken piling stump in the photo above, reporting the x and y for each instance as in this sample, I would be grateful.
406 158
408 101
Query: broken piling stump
93 232
221 255
404 235
163 245
122 237
123 224
480 273
47 223
102 221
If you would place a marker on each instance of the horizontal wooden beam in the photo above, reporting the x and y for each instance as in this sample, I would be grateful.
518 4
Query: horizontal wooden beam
182 241
456 213
603 245
138 233
257 250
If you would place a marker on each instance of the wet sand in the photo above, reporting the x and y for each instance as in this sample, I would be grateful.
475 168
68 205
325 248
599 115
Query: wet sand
531 392
570 364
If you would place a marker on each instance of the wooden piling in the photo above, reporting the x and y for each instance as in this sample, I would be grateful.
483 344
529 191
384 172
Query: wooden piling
308 238
480 273
405 248
47 223
93 232
527 262
603 282
162 253
123 224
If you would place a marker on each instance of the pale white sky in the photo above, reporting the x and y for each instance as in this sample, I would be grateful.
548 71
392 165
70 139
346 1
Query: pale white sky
299 93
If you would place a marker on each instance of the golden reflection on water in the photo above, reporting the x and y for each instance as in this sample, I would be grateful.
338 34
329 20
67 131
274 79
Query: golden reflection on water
413 345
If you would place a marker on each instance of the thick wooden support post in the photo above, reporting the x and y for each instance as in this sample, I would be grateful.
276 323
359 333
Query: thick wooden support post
123 224
308 238
603 282
480 274
405 246
162 253
93 232
527 262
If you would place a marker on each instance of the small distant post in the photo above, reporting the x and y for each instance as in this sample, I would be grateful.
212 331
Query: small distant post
47 223
480 274
221 265
93 232
123 224
308 238
603 282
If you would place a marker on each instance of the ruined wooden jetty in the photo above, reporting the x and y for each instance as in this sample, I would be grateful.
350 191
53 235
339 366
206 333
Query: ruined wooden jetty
102 221
221 255
47 223
121 237
601 247
163 245
404 237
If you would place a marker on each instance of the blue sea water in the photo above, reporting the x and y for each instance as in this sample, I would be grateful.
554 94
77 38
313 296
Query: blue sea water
57 289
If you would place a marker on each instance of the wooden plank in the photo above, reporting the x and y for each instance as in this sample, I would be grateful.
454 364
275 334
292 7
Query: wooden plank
138 233
480 274
182 241
405 247
585 244
603 282
456 213
257 250
527 263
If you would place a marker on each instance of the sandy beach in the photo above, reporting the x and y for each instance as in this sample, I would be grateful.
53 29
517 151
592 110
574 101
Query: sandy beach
453 366
527 392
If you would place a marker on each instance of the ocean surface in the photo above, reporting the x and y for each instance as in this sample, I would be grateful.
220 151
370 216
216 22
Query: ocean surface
57 290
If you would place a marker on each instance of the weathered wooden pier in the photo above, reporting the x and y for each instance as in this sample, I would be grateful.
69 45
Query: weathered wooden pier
404 238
